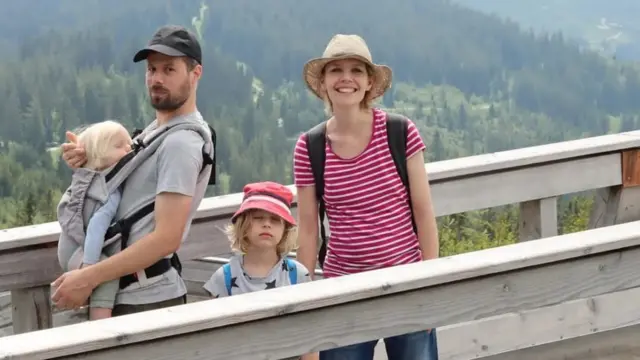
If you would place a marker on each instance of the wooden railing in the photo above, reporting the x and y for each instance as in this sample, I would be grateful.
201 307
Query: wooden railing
533 177
284 322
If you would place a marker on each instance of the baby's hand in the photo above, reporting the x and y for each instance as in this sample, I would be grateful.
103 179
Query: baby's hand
73 152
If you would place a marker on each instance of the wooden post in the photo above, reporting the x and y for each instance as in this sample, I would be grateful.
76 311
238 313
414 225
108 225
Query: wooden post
619 204
31 309
538 219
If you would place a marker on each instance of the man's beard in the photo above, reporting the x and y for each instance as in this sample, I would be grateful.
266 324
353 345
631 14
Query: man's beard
167 102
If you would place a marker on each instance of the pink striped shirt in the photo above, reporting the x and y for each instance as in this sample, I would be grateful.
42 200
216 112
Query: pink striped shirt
366 204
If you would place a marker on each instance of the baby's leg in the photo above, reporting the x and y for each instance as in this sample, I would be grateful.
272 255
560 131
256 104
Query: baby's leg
103 299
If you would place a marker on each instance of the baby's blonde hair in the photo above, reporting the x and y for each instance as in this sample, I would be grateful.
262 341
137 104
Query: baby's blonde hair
98 140
238 235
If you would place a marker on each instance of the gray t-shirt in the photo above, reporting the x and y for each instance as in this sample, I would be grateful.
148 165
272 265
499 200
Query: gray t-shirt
174 167
242 283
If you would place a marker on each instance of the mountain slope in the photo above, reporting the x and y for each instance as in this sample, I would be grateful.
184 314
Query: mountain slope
609 27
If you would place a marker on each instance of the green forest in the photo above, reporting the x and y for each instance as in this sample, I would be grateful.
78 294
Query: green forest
472 83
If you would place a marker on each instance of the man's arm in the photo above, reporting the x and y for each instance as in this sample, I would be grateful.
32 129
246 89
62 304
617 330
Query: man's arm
179 164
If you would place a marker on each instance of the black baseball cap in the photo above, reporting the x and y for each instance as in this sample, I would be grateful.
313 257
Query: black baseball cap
172 40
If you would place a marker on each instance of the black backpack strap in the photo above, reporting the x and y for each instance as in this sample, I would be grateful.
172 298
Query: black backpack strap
316 143
397 128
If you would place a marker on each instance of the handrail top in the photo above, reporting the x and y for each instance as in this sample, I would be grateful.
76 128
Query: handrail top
438 171
183 319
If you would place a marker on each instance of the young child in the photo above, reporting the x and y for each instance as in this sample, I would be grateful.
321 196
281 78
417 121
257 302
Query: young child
261 232
105 144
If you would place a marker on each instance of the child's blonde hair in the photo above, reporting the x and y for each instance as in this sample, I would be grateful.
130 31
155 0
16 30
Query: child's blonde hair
98 140
238 235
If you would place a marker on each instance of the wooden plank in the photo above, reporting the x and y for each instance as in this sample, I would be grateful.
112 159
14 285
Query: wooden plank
533 155
28 267
38 264
512 187
467 340
31 309
615 205
347 309
507 332
208 333
616 344
529 329
439 172
630 168
538 219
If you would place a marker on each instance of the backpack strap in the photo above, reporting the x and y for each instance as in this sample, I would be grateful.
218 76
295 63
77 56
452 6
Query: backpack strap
226 269
293 271
316 144
397 128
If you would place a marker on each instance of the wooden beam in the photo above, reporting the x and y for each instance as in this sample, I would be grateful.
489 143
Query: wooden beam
31 309
631 168
474 339
538 219
615 205
525 184
346 310
617 344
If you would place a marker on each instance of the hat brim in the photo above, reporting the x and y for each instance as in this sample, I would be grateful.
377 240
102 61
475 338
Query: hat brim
159 48
312 74
266 206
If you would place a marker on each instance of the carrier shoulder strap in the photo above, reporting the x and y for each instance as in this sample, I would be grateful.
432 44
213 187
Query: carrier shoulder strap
316 145
293 271
145 145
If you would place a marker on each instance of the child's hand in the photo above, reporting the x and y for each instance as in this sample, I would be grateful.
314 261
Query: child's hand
311 356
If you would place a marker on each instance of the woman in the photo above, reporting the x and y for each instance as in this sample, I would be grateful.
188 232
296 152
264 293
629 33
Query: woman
368 208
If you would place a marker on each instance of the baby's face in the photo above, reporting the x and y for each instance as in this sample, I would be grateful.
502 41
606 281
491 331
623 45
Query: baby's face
121 146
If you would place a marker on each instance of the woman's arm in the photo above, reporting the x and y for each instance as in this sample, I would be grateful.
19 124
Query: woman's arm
307 252
307 228
423 213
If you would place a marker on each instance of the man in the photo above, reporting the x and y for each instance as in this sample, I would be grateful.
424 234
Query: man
172 175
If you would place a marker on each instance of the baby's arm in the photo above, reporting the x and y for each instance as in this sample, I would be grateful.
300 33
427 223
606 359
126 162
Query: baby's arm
215 285
97 228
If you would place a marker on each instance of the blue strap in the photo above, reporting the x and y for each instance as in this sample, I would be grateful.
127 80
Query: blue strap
293 271
227 277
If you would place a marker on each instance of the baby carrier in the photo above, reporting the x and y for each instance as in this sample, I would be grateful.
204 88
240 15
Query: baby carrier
89 189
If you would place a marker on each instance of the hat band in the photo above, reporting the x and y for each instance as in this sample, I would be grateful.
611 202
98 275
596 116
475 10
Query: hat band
270 198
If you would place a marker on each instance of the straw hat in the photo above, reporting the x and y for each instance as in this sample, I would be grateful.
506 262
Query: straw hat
346 47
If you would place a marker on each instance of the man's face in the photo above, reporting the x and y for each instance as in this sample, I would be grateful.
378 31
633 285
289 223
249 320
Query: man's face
169 81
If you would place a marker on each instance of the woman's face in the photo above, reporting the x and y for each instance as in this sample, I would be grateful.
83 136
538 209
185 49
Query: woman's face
346 82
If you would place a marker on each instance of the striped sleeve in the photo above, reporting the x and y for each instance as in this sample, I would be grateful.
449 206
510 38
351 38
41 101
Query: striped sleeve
414 140
302 175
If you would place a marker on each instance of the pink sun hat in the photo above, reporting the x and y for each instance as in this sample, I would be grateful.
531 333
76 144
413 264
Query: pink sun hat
268 196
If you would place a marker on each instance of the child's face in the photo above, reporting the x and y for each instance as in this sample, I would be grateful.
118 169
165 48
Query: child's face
121 146
266 229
